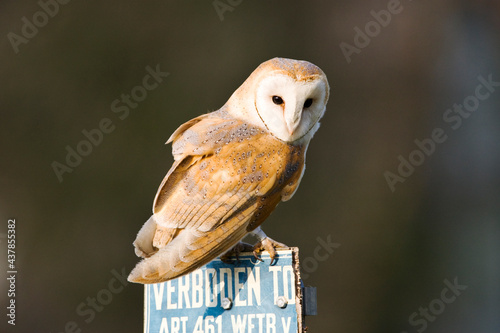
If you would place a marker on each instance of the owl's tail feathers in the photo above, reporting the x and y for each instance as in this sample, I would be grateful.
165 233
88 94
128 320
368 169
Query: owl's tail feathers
190 250
167 263
143 243
146 271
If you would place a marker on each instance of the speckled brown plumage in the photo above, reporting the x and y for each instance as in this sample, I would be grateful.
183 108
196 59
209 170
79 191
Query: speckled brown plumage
229 174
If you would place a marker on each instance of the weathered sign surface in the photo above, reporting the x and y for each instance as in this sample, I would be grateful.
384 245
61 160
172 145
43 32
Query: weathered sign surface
245 296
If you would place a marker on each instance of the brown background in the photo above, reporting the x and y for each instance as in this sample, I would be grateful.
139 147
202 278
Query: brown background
396 248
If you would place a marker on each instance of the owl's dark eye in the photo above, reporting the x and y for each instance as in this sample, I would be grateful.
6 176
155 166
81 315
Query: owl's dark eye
308 102
277 100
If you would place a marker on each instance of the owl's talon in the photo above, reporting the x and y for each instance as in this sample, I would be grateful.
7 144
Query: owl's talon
269 245
257 257
235 252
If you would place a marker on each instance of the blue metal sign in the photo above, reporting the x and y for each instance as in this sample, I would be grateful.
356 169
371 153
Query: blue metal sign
247 296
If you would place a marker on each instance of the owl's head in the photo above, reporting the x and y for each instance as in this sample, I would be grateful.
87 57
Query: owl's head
287 97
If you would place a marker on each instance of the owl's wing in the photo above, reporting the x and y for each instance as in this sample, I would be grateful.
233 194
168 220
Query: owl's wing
226 180
210 181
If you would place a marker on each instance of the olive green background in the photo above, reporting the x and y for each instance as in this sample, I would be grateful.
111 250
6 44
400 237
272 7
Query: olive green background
396 248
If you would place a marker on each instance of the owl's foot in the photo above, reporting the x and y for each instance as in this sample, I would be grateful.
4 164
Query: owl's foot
235 252
269 245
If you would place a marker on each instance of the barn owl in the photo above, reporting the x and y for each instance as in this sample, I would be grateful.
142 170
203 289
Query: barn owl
231 168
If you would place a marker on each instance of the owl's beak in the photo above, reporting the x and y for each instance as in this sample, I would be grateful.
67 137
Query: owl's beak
292 118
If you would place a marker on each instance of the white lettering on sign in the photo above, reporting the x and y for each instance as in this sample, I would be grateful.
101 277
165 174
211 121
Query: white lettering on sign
202 288
275 270
239 286
206 324
288 277
170 291
253 323
177 325
184 291
249 292
286 325
253 283
158 290
210 288
225 272
197 291
285 277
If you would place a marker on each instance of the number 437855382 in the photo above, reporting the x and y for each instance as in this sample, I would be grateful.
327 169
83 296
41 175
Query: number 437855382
11 243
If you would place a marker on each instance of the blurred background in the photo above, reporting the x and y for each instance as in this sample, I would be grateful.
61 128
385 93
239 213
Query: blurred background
396 70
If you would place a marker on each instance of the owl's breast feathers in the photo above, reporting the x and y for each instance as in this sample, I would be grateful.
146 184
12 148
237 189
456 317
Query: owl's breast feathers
228 176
